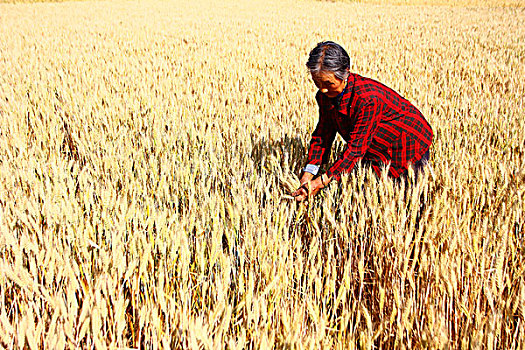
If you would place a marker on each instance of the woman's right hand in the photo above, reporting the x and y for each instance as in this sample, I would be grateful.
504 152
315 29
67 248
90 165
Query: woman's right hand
307 177
302 192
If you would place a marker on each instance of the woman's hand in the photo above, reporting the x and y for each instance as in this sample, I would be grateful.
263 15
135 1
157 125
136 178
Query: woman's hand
302 192
310 187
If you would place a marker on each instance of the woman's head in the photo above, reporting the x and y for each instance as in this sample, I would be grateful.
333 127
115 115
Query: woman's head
329 65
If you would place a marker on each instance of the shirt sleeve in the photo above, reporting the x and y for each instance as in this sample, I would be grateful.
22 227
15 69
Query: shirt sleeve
322 139
361 136
312 169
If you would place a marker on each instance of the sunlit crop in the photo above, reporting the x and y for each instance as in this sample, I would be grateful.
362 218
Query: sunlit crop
148 150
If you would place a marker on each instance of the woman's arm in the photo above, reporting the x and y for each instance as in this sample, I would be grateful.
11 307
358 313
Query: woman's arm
321 142
318 153
360 137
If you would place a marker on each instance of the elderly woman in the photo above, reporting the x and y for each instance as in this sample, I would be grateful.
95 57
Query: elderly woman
380 127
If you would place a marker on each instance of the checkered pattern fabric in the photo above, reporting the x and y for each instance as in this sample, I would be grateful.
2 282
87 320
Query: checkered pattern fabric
380 128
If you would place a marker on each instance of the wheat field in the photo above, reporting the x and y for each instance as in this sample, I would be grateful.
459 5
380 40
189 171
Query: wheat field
148 150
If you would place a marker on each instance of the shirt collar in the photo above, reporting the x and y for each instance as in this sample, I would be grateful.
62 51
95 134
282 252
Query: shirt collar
347 95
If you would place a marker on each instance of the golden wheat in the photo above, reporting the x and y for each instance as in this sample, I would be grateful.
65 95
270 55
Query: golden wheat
148 151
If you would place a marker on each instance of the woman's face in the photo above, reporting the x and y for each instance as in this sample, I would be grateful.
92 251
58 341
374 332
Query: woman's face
328 83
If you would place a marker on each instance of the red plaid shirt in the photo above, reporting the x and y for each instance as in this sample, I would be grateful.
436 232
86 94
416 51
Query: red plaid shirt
379 126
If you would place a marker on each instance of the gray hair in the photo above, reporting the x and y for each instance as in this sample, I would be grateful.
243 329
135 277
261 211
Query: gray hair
328 56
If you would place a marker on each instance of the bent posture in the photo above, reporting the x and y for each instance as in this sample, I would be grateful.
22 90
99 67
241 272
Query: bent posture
379 126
